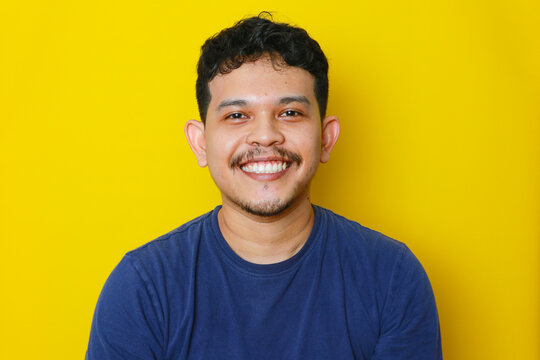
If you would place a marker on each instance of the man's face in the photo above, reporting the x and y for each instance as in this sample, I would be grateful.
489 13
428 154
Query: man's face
262 138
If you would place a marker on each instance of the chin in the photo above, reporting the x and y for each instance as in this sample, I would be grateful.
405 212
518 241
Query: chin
266 208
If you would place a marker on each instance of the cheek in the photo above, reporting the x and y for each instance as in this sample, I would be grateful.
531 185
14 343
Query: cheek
311 148
306 137
214 156
220 148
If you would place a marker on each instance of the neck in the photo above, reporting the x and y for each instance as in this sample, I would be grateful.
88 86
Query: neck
266 240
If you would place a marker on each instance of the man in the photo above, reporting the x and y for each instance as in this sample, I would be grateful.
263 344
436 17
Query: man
266 275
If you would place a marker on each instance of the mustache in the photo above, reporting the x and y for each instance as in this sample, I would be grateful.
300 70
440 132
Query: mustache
275 150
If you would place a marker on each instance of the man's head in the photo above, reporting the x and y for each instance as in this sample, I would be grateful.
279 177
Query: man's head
249 40
263 135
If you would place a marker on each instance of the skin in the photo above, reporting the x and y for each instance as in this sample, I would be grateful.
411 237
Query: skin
261 114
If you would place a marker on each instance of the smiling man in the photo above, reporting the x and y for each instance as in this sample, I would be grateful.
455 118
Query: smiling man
266 275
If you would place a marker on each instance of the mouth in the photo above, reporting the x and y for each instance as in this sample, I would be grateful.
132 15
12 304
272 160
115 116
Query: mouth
258 164
265 166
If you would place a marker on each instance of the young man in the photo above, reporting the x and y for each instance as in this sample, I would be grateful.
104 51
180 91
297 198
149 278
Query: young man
266 275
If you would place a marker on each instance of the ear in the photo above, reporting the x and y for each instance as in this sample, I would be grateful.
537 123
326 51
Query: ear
195 136
329 135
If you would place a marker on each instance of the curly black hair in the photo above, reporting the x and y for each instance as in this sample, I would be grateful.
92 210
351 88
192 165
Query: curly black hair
251 38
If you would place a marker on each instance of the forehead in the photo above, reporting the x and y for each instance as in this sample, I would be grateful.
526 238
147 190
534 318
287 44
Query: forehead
262 80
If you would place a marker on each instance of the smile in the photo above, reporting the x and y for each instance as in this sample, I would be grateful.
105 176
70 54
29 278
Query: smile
265 167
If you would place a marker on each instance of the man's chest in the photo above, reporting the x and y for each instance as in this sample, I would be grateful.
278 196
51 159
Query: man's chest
301 314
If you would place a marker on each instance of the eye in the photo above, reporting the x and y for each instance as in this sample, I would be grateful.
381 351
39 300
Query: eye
236 118
236 115
290 113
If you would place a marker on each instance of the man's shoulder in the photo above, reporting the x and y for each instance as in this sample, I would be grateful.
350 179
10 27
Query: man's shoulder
360 248
350 232
177 243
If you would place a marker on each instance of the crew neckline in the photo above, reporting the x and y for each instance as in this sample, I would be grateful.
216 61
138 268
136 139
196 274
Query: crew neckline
266 269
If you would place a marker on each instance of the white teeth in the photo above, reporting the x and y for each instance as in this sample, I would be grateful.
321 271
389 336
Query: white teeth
265 167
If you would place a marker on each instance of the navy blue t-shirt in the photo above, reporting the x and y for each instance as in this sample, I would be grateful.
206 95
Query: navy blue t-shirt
349 293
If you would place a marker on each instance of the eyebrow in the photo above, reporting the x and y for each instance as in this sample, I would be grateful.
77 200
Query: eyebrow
290 99
231 102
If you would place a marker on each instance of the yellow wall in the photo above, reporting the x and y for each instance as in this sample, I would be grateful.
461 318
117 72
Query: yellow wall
439 103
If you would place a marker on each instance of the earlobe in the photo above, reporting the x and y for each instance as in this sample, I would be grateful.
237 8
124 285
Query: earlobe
195 136
329 136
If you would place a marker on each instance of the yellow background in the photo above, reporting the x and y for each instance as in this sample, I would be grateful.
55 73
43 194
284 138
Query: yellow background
439 104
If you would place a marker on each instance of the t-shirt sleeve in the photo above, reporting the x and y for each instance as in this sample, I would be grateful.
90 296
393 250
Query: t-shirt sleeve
410 324
126 323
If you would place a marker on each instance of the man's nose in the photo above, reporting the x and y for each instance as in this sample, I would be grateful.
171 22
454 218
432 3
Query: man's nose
265 131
